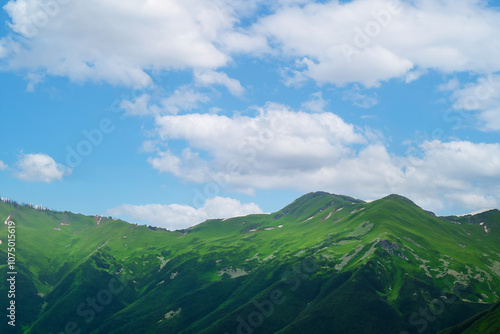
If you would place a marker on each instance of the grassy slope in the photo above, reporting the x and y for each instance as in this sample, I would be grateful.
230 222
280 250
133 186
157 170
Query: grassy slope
486 322
424 259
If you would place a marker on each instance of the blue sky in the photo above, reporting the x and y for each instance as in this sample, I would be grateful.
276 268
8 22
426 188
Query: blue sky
172 112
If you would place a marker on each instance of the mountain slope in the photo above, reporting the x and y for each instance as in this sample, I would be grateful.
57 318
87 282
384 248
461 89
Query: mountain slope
323 264
486 322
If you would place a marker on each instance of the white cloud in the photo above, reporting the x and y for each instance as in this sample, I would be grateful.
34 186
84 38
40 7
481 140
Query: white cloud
116 41
149 146
482 97
331 42
473 200
414 75
239 42
359 99
209 77
3 48
274 141
175 216
3 165
463 159
283 149
372 41
7 47
139 106
294 77
214 110
457 174
316 103
183 99
188 165
33 79
272 150
450 85
40 168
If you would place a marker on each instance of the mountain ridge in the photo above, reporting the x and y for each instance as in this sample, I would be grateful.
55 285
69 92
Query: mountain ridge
303 198
330 247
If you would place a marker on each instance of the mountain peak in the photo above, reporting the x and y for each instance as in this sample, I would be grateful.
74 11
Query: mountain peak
314 202
400 199
396 197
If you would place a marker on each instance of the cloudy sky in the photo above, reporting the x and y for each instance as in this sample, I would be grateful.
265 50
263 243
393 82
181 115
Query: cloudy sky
169 112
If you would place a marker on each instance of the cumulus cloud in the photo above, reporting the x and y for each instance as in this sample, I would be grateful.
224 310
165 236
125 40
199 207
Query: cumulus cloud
139 106
372 41
184 98
473 199
456 174
271 150
483 97
414 75
40 168
275 141
284 149
209 77
8 47
330 42
116 41
175 216
188 165
316 103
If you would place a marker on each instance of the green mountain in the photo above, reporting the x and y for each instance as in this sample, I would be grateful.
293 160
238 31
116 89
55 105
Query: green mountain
323 264
486 322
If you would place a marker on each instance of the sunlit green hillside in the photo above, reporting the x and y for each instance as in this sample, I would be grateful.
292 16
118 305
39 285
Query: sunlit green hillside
323 264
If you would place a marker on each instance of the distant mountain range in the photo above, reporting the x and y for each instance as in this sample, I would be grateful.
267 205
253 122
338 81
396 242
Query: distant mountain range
323 264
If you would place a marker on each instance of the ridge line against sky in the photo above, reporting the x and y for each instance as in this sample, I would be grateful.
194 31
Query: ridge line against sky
174 111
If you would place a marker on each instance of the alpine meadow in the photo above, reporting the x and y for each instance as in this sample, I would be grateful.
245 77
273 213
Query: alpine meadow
323 264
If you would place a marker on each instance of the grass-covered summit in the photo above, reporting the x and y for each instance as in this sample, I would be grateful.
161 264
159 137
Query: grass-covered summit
323 264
